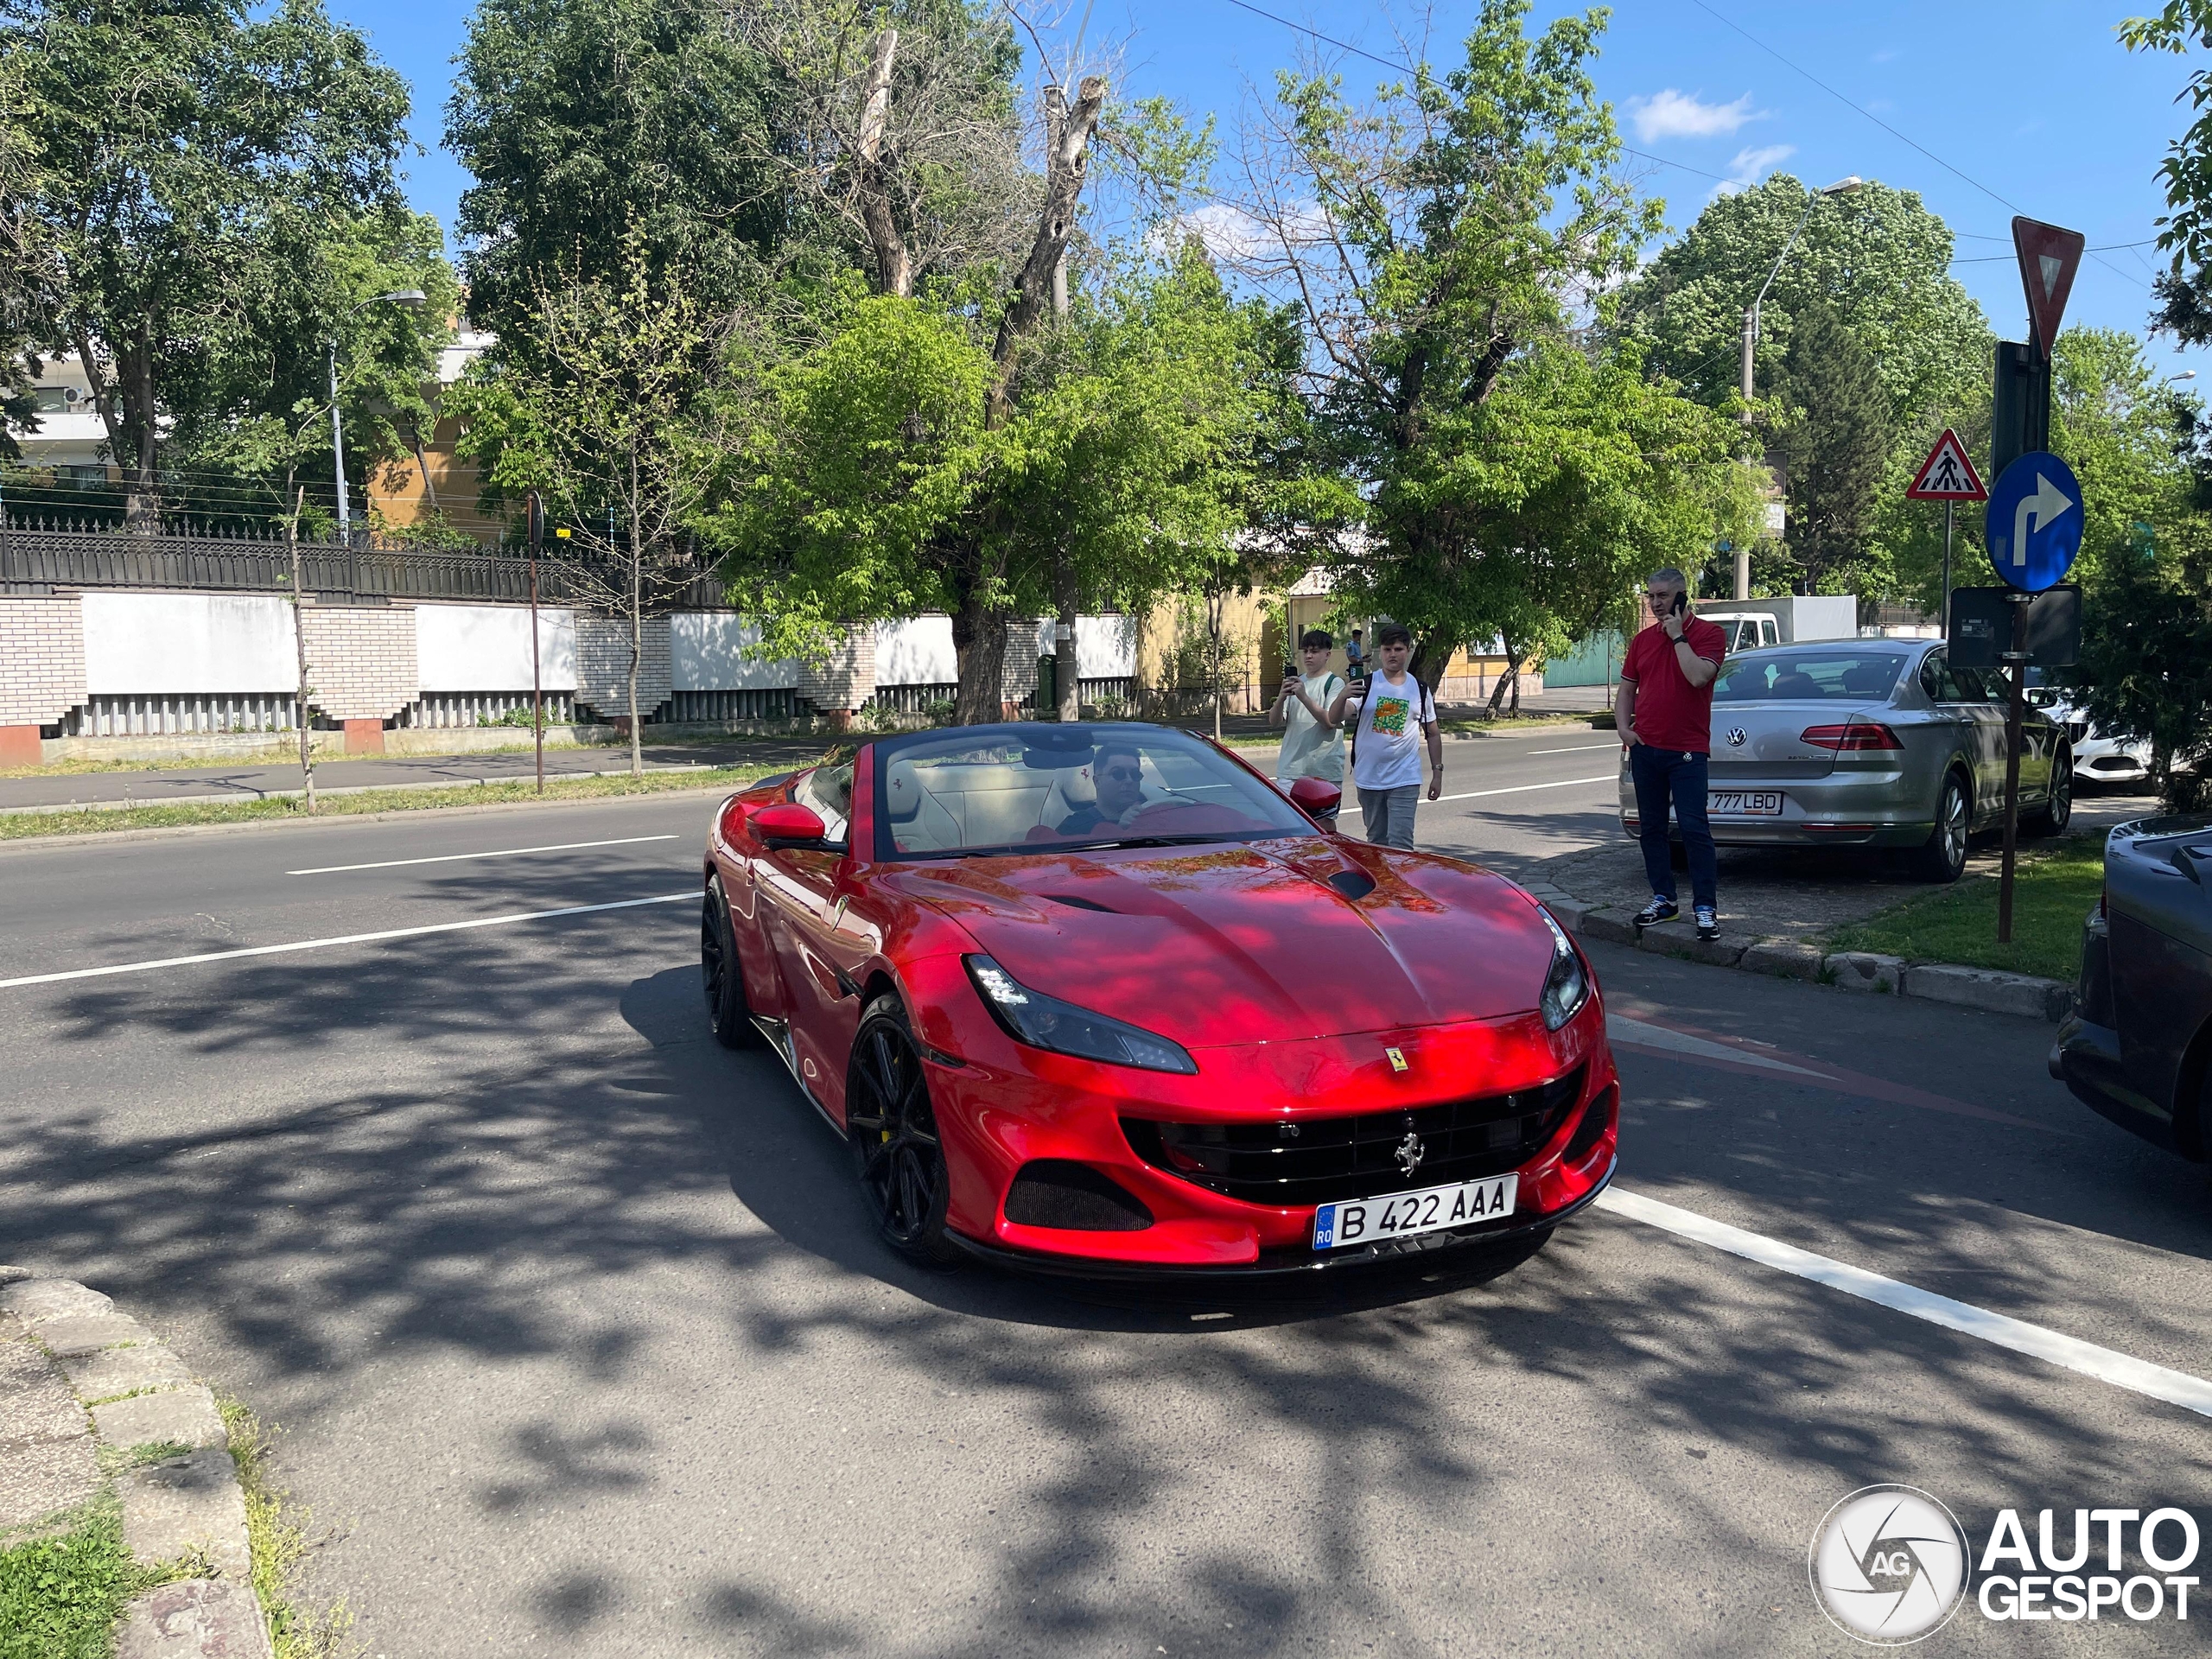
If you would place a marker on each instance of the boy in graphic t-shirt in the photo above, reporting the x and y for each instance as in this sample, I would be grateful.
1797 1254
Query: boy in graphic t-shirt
1390 713
1665 716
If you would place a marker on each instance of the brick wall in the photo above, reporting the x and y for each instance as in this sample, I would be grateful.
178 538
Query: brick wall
42 660
360 660
846 678
603 666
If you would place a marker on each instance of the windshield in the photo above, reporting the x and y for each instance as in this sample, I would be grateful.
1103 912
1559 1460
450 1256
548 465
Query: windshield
999 789
1842 676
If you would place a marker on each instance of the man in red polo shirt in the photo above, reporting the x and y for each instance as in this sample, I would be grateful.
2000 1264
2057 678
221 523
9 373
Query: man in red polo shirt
1665 716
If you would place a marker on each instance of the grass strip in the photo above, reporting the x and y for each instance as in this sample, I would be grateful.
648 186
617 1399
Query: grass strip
2053 890
276 1531
23 826
60 1597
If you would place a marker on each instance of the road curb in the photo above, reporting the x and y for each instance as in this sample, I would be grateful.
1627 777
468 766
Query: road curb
240 797
105 1385
1984 988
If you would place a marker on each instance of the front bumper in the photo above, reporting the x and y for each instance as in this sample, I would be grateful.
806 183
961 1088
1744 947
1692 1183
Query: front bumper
1001 1106
1285 1264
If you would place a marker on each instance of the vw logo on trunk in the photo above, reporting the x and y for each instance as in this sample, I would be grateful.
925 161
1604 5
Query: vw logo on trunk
1737 738
1410 1153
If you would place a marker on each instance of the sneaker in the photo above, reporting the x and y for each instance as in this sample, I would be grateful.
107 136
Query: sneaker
1659 909
1708 923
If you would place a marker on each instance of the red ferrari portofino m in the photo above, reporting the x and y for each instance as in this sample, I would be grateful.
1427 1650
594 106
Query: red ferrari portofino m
1097 998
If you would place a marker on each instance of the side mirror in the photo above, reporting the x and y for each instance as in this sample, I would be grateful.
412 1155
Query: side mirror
788 824
1318 795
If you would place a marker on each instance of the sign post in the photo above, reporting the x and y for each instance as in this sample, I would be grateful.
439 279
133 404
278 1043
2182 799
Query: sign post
1946 476
2033 530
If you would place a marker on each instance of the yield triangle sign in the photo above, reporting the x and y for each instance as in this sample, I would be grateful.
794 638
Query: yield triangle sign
2049 258
1947 474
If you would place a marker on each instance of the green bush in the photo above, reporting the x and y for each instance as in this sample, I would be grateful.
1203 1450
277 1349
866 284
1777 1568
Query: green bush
60 1597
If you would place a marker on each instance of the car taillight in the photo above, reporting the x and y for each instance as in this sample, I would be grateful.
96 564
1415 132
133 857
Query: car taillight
1858 736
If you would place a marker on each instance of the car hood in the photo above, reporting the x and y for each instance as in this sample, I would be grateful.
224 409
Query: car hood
1254 943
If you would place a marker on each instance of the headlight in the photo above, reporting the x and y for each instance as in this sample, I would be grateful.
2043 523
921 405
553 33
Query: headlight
1045 1021
1566 983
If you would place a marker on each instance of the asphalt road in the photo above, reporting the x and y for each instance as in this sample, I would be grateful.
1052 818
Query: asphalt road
579 1339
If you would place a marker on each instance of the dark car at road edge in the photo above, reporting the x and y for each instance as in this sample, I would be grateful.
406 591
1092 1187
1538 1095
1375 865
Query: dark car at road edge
2138 1045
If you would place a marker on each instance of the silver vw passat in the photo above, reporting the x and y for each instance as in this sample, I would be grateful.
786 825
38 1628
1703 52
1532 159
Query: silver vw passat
1870 743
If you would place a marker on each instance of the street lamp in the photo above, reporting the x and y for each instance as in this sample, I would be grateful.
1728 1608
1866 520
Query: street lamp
407 299
1840 187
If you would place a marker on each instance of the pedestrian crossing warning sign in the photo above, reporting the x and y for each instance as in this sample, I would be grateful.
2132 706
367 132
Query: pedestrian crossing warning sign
1947 474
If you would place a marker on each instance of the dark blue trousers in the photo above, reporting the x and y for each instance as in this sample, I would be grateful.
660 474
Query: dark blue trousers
1664 777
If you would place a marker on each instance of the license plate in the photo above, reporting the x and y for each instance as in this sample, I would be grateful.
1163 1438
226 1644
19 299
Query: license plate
1743 804
1399 1215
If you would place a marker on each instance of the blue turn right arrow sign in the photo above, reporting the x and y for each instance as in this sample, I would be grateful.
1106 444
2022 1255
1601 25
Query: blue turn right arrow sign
2034 526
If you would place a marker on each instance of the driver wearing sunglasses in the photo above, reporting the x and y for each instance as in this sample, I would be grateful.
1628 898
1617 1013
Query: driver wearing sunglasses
1118 772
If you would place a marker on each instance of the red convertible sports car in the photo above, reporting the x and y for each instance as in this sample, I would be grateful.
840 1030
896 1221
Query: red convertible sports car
1096 998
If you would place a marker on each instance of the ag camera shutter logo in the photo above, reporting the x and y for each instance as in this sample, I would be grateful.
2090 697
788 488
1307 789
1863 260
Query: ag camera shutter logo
1889 1564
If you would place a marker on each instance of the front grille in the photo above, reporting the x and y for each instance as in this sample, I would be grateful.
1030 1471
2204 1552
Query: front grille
1294 1162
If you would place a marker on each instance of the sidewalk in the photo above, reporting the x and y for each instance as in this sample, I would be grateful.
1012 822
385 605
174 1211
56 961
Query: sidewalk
1797 894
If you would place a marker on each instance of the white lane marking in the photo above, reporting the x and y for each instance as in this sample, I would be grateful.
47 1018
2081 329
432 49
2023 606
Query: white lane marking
345 938
504 852
1522 789
1634 1034
2123 1371
1585 748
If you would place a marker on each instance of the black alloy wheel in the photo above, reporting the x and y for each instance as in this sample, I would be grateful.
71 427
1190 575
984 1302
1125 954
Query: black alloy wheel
1943 859
721 976
896 1151
2057 812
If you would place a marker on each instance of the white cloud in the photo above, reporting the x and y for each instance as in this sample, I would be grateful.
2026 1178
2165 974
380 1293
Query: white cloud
1672 114
1749 166
1232 234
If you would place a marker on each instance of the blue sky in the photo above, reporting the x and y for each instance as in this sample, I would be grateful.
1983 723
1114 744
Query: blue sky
2031 103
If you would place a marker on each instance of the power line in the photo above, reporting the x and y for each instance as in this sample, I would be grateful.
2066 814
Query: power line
1877 121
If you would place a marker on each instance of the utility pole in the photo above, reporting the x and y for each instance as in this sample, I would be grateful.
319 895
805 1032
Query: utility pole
536 670
300 650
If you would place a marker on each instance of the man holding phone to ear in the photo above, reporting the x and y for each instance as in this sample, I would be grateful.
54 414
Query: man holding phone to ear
1665 715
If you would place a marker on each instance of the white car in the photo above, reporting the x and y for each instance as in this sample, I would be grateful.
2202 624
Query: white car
2099 761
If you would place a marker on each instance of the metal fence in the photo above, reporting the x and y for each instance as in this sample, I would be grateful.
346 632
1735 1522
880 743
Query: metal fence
148 715
445 710
912 699
774 704
41 555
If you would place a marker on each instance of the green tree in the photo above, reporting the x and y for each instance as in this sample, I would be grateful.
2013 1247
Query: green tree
1509 475
1876 257
579 119
609 418
261 423
876 484
193 158
2146 655
2184 291
1833 443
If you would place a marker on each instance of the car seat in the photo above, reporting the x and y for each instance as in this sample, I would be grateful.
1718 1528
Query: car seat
919 821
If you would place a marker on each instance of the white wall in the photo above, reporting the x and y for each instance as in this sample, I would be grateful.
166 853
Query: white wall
1105 647
486 648
917 651
185 643
708 651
